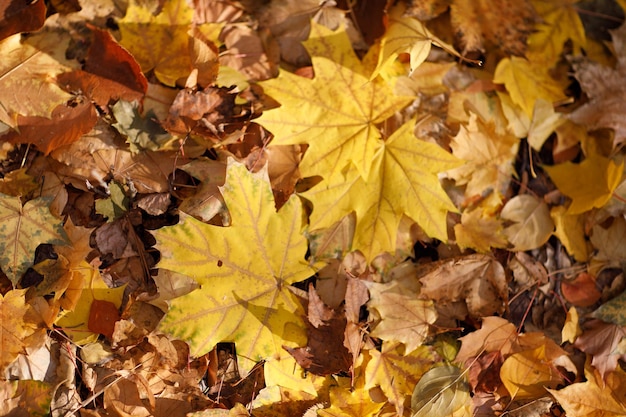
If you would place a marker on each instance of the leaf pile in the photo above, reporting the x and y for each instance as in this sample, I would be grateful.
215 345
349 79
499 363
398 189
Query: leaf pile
303 208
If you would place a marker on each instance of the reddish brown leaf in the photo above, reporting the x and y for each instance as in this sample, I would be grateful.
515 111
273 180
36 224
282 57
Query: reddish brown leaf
21 16
581 291
67 125
102 317
484 372
600 340
110 73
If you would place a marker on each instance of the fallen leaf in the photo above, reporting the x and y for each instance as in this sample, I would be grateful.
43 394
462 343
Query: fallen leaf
571 328
400 315
595 397
570 229
31 66
560 22
478 280
600 340
21 17
489 158
24 228
351 402
253 284
397 372
344 125
399 185
25 397
479 231
50 133
160 42
406 34
440 392
142 132
589 184
504 24
605 89
581 291
18 323
532 225
527 82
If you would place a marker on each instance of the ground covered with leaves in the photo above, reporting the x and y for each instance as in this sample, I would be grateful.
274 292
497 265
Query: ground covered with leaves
300 208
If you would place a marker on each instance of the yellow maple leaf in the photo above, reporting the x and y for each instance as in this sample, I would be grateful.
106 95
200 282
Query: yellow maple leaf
560 22
570 229
526 82
403 180
244 271
400 315
406 34
17 323
489 155
479 231
336 112
589 184
396 373
159 42
351 401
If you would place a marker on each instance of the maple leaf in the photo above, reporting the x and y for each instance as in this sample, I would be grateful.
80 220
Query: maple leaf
339 128
355 401
402 181
589 184
159 42
17 323
595 397
559 23
30 67
479 231
401 315
489 157
405 34
244 270
526 82
142 132
24 227
396 373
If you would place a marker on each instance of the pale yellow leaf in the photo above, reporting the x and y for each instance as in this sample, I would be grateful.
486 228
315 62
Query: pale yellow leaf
532 225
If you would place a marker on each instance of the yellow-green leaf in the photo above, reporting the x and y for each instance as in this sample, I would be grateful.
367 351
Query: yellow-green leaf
244 271
403 180
441 392
22 229
589 184
159 42
336 113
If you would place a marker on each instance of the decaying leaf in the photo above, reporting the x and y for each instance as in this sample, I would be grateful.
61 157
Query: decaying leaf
24 227
478 280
